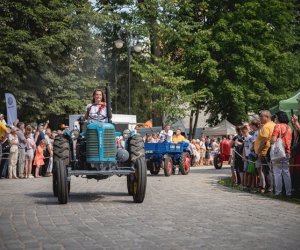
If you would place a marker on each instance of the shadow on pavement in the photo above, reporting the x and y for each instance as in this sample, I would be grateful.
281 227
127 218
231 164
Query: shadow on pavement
49 199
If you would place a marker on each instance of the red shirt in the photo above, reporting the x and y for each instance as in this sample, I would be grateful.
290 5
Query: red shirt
287 138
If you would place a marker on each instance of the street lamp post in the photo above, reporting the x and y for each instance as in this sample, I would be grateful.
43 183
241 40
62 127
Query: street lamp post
137 48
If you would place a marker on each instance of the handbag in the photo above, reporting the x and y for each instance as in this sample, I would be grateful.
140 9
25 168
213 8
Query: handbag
277 151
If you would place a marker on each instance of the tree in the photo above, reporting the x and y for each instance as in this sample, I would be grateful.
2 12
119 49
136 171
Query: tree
47 55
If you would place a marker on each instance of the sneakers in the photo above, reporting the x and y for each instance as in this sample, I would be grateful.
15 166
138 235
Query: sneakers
30 176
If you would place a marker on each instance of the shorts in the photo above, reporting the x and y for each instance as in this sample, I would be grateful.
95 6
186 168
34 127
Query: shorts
260 162
29 154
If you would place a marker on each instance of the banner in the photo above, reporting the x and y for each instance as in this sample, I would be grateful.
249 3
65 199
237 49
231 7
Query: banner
11 108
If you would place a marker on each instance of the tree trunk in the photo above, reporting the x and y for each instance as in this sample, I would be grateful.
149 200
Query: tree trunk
196 120
191 125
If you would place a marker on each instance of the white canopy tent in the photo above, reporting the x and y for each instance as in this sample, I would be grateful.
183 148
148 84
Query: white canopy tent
223 128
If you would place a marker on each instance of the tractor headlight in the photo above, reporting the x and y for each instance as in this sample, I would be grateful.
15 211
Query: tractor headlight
126 134
75 134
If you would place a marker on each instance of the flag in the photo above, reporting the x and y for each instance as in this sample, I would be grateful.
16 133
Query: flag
11 108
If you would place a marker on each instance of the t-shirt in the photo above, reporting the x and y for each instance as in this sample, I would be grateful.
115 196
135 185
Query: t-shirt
287 139
179 138
166 136
97 112
264 133
2 129
248 141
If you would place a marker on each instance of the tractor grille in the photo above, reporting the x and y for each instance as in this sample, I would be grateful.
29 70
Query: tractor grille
92 145
109 149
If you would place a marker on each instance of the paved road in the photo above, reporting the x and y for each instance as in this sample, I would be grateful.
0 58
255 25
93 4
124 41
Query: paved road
179 212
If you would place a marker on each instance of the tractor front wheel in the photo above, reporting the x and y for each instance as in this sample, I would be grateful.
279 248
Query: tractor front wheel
62 183
130 182
218 163
140 180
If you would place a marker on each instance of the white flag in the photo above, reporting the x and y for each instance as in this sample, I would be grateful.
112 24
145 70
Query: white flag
11 108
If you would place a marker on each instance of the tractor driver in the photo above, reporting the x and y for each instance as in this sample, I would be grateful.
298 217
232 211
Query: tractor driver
97 109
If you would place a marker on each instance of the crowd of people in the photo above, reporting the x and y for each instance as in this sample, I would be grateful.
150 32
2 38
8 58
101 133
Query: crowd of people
250 152
254 163
27 150
202 150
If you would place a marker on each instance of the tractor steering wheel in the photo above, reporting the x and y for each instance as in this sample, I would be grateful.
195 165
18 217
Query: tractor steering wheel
97 116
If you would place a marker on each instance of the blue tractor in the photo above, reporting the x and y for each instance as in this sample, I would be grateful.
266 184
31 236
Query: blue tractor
93 154
168 156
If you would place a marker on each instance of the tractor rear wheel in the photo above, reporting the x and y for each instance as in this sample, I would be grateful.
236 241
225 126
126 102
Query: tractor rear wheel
61 149
185 163
140 180
168 165
54 179
136 148
62 183
217 161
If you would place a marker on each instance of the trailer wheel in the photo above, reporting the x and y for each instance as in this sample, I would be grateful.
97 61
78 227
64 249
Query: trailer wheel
154 168
168 166
185 163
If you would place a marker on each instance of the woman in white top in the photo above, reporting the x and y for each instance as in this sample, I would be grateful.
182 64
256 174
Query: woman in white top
97 109
13 153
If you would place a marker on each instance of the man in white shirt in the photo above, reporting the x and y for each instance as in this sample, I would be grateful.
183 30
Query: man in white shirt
166 135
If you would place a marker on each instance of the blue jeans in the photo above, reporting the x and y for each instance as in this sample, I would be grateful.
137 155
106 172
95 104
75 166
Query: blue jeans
281 169
3 168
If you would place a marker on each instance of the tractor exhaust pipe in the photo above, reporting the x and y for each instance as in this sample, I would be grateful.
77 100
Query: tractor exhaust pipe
108 104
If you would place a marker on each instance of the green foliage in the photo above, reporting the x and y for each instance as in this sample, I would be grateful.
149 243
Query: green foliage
47 56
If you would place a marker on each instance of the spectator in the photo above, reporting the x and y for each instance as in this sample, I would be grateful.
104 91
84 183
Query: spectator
40 133
30 148
193 151
281 166
237 143
166 134
39 158
254 126
5 153
2 119
3 131
178 137
246 152
208 148
261 147
13 154
202 151
49 150
22 145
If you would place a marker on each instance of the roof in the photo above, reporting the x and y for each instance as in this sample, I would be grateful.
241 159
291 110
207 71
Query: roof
223 128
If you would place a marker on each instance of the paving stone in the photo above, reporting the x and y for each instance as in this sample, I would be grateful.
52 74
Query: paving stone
179 212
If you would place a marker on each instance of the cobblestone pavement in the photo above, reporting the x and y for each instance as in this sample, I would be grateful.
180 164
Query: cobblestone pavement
179 212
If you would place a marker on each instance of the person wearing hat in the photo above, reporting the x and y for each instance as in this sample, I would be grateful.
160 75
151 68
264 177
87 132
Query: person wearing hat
13 153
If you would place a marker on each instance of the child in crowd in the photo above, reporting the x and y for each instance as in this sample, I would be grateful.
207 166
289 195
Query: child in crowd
39 157
30 148
246 152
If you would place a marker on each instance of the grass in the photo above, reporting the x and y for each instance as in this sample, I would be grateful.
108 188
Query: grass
227 182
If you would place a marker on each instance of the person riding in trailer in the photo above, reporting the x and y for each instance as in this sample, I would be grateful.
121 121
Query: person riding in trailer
97 109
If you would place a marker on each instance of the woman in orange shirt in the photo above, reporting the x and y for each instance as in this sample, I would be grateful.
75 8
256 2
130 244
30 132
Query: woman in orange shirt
39 157
281 166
